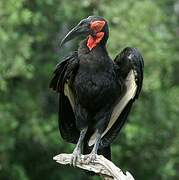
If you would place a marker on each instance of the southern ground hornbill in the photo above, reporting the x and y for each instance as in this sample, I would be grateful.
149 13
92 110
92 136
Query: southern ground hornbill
96 93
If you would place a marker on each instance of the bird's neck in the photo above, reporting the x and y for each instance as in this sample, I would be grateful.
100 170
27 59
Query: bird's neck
96 59
99 48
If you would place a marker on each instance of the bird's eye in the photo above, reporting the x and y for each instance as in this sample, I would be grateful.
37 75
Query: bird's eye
81 23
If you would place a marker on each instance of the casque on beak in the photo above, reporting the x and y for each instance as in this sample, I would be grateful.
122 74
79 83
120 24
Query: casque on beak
80 29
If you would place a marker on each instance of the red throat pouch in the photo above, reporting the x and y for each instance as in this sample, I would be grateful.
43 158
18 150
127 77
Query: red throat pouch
93 41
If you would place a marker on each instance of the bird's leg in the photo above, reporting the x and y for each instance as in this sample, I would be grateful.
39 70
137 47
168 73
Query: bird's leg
92 156
77 151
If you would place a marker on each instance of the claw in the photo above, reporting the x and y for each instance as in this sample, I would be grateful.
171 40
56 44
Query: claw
75 156
77 151
73 160
90 158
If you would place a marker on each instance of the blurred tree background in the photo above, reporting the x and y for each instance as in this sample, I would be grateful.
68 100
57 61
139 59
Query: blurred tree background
30 32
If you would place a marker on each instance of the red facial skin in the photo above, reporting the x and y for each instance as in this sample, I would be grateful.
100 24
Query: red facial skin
96 26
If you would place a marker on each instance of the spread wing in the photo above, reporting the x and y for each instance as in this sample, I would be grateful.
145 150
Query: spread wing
129 65
63 76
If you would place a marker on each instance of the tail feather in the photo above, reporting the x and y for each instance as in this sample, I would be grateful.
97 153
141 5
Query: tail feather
106 152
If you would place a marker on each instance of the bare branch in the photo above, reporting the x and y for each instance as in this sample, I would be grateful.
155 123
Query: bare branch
105 168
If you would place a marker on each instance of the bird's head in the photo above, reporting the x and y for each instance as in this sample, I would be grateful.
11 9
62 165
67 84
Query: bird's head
95 28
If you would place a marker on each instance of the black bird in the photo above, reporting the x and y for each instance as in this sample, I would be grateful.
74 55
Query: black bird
96 93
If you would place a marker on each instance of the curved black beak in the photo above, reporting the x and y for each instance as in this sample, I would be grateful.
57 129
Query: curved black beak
80 29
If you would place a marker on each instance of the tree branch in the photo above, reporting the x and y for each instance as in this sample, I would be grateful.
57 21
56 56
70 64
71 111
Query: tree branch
105 168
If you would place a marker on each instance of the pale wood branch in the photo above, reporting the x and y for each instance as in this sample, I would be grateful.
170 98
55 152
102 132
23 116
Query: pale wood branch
105 168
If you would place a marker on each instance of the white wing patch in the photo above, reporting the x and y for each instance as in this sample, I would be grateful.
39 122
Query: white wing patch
131 88
69 94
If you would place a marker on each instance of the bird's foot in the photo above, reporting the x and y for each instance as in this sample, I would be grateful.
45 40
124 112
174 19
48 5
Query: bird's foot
75 156
90 157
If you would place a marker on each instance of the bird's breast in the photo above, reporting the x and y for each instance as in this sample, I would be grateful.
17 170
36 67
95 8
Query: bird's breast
94 89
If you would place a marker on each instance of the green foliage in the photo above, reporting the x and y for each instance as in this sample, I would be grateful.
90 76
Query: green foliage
30 32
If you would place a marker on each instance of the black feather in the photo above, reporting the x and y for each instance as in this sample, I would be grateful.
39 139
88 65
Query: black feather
115 129
62 71
129 59
67 122
65 70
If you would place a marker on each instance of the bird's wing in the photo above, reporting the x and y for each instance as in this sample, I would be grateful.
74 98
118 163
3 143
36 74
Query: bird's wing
129 65
64 74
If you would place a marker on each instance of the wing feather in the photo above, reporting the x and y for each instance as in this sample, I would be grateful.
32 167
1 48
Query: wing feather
64 72
129 68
